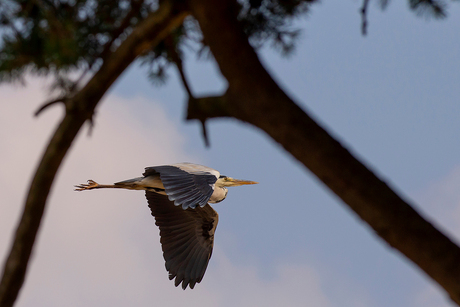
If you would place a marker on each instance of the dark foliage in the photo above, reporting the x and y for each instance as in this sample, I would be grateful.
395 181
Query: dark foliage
271 20
51 36
62 36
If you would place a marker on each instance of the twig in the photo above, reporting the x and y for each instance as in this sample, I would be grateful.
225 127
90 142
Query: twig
204 133
178 61
91 123
363 11
50 103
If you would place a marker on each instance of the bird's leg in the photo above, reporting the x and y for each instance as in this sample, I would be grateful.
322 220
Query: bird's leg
93 185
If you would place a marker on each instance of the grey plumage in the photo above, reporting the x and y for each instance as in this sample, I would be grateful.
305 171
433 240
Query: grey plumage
187 238
186 189
178 197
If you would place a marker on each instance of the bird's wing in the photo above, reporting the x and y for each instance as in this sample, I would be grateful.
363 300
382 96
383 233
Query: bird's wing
187 238
188 185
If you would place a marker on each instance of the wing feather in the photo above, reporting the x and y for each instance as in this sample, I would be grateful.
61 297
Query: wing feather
188 185
187 238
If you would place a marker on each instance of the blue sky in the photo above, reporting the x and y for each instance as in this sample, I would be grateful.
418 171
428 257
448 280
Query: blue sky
390 97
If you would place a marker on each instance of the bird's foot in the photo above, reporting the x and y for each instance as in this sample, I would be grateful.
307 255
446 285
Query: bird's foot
87 186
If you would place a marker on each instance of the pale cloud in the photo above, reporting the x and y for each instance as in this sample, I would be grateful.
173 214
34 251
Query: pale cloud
431 297
101 248
292 285
441 203
90 245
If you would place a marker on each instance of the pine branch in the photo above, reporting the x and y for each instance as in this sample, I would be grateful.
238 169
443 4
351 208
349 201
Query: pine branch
78 110
254 97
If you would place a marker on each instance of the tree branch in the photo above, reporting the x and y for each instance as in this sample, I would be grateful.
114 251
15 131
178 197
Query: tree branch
257 99
363 12
171 47
79 108
204 108
49 104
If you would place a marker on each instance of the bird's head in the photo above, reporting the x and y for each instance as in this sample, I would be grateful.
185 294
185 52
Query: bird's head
225 181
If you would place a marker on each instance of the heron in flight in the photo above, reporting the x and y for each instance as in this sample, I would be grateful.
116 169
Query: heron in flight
178 196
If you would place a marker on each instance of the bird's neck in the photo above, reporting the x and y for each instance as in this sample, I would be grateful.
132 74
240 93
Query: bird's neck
218 195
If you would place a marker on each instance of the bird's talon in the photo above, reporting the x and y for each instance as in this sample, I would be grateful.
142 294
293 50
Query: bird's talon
87 186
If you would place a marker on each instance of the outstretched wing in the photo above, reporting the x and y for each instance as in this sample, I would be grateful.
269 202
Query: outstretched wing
187 184
187 238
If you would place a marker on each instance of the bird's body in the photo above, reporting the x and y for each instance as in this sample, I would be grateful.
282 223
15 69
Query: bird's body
178 197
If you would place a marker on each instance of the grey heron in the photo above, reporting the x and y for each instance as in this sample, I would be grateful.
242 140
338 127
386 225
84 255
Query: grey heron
178 196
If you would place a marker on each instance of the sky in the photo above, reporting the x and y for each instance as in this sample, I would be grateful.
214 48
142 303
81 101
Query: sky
391 98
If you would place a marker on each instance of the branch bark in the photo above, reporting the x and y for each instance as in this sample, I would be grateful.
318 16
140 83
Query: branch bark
205 108
254 97
79 108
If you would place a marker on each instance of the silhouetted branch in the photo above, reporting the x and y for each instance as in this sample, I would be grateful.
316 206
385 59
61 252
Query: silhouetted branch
79 109
171 46
48 104
258 100
254 97
429 8
204 133
205 108
178 61
363 11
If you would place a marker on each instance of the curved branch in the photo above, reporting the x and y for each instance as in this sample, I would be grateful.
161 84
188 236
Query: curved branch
257 99
49 104
79 108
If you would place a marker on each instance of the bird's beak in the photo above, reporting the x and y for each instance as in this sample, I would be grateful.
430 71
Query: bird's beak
237 182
